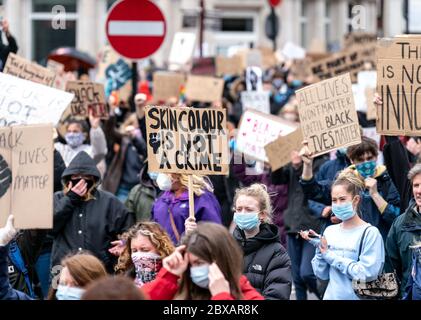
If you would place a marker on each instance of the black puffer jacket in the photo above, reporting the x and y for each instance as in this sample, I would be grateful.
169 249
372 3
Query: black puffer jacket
266 263
87 225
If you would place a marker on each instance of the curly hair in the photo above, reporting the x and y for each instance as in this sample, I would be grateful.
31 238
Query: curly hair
156 235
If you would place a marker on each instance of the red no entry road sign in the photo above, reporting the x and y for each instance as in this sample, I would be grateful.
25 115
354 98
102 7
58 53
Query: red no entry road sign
274 3
135 28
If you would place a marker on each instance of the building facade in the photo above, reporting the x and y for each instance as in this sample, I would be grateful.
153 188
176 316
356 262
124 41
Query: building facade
41 25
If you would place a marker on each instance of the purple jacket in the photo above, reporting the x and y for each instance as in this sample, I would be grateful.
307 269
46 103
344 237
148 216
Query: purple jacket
206 208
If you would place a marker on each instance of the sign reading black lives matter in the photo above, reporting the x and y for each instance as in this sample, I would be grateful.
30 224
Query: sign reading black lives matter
327 115
26 175
399 85
187 140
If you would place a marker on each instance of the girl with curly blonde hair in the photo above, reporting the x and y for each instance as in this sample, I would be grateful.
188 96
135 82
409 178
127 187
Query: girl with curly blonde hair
146 245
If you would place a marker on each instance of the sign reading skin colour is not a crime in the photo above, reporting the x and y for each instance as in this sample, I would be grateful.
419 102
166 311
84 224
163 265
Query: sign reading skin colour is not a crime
187 140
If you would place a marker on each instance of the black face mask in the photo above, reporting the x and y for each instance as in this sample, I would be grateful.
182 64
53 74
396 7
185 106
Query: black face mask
89 182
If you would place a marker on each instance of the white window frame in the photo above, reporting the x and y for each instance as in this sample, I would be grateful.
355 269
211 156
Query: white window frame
232 38
328 21
42 16
303 20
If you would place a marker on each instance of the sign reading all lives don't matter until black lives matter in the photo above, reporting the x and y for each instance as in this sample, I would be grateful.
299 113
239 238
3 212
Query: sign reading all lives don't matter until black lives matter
327 114
187 140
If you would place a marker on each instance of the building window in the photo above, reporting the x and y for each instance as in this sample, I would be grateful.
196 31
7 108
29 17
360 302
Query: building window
328 22
48 5
46 30
189 21
110 3
304 23
237 24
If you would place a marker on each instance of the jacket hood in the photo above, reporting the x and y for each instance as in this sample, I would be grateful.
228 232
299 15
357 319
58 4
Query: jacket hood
82 163
268 233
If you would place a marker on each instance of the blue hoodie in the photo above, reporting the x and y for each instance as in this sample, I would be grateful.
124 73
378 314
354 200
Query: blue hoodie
340 264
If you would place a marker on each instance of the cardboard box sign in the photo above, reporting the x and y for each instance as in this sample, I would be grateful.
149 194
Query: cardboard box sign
399 85
229 66
256 100
350 60
359 38
99 110
27 102
167 85
327 115
85 93
26 168
257 129
187 140
279 151
28 70
204 89
115 73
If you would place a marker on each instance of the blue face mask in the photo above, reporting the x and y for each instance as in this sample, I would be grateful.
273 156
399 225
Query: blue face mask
69 293
153 175
246 221
277 83
232 144
366 169
74 139
296 83
343 211
200 275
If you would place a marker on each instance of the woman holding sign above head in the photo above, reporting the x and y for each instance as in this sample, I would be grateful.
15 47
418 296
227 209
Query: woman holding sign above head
171 209
75 142
379 199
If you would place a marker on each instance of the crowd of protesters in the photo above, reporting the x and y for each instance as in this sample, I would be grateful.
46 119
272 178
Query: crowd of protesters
121 231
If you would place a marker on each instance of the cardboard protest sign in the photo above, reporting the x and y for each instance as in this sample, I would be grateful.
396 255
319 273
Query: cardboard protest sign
55 66
27 70
292 51
187 140
254 80
268 57
256 100
398 84
167 85
205 89
182 50
27 102
254 58
371 107
99 110
257 129
85 93
26 166
359 38
300 69
232 65
279 151
327 115
351 60
115 73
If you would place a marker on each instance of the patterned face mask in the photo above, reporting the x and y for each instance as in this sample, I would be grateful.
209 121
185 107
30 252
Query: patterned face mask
366 169
147 266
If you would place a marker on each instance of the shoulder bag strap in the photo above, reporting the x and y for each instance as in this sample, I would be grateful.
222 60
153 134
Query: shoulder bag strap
173 226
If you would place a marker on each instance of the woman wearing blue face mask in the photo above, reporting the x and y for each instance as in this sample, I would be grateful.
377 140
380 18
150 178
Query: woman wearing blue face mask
207 266
266 262
350 251
76 273
380 199
75 142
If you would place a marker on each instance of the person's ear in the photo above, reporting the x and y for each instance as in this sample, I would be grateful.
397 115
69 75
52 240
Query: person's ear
262 216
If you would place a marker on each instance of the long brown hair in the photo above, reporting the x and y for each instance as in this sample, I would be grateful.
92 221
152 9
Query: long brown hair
212 242
156 235
84 268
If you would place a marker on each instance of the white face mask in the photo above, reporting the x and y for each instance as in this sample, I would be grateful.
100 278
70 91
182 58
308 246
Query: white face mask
164 182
